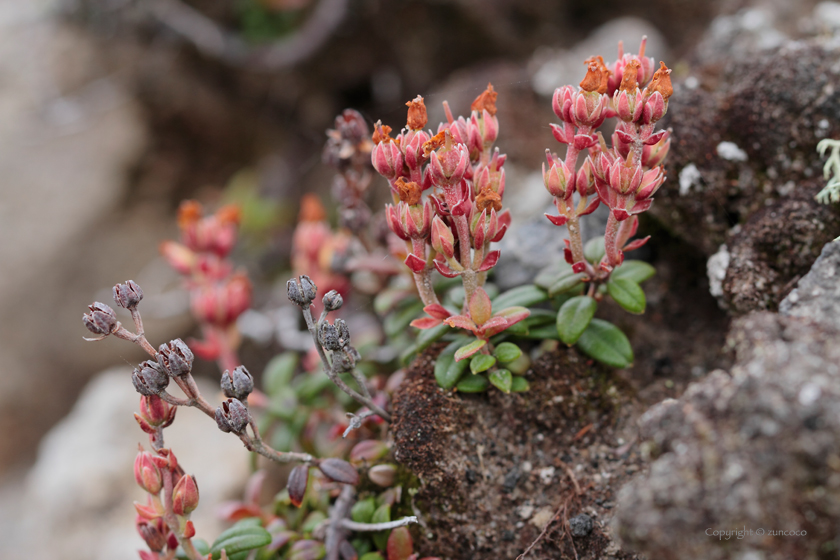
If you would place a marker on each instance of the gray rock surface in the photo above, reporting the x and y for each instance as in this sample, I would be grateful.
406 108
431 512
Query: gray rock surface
756 450
817 295
75 503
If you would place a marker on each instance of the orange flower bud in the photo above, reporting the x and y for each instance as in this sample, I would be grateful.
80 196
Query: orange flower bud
409 192
486 101
629 82
189 212
661 82
488 199
433 143
597 76
417 117
380 133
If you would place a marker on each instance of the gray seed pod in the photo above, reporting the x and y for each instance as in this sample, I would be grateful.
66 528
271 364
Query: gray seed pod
239 384
175 357
294 293
343 332
333 301
222 419
329 337
128 295
308 288
342 362
101 320
149 378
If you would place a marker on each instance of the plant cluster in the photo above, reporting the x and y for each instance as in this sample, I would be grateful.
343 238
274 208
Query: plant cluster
447 211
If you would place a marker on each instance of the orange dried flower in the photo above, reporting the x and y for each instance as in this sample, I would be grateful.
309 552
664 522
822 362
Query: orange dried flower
311 209
661 82
409 192
417 117
229 214
628 81
189 212
486 101
487 199
380 133
597 75
434 143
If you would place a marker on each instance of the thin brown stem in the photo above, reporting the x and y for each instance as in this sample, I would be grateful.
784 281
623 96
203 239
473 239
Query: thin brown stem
171 519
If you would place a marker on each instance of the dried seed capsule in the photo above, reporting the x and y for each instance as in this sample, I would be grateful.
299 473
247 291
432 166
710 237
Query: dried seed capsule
128 295
101 320
329 337
232 416
238 384
308 288
298 479
342 362
149 378
333 301
175 357
294 293
343 332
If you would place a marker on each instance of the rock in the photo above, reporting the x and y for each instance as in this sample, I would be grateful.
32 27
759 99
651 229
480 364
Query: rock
580 525
79 492
817 295
754 450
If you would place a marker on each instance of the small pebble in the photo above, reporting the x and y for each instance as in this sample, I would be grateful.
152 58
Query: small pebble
580 525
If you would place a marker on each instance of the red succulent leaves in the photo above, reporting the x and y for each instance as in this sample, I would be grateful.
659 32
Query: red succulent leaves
481 320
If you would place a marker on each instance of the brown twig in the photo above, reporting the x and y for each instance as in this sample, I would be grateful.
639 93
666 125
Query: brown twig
560 509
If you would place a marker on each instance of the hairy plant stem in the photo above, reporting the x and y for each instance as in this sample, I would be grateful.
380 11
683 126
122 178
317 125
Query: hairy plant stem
573 223
361 399
468 277
423 279
611 241
171 519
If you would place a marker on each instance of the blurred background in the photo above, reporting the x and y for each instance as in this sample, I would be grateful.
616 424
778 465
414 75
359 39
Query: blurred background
113 111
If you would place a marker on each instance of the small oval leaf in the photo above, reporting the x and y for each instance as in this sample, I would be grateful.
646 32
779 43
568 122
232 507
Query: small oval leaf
565 284
447 370
362 511
400 546
519 385
502 379
469 349
240 538
481 362
628 294
573 318
473 384
522 296
381 515
637 271
339 470
594 250
507 352
298 479
553 272
604 342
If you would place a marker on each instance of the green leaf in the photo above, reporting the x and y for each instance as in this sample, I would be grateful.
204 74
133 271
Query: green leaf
372 556
546 332
447 370
470 349
574 317
398 320
550 274
200 545
566 284
362 510
628 294
279 371
521 364
521 296
507 352
518 329
502 379
312 520
240 538
426 338
604 342
637 271
473 384
381 515
519 385
594 250
310 385
481 362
